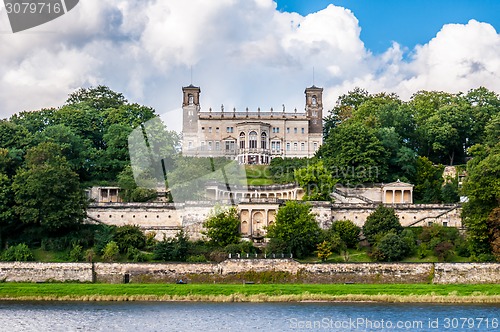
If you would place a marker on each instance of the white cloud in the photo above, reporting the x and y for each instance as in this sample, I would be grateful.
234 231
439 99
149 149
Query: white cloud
244 53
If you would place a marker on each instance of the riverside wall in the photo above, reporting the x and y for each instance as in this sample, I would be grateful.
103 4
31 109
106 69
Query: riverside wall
252 270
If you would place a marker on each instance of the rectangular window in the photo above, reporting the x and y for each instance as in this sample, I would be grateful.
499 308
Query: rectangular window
229 129
295 145
288 130
217 146
315 146
190 145
229 145
288 146
302 146
303 130
209 129
209 145
202 146
217 130
295 130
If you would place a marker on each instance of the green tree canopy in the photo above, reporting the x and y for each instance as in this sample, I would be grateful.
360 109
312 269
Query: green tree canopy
295 229
222 226
380 222
47 192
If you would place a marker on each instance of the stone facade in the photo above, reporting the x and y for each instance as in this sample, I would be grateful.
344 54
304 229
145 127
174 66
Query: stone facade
238 270
251 137
166 219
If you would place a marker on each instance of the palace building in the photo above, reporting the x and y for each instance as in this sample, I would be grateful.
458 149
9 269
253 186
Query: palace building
251 137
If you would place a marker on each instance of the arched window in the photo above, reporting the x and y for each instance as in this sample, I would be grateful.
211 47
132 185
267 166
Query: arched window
190 99
252 140
242 140
314 100
263 141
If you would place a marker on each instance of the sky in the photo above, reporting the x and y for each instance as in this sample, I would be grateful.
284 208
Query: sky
250 53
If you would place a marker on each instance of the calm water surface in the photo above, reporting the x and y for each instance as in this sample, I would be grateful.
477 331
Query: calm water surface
168 316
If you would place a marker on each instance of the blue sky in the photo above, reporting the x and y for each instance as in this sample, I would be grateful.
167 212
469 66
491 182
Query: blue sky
407 22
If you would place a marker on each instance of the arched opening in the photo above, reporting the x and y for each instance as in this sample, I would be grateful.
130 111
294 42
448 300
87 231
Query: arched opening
314 100
263 141
190 99
242 140
252 141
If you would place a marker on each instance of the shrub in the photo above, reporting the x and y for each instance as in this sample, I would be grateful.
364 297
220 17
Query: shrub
244 247
129 236
392 247
172 249
324 251
443 250
196 259
111 252
19 253
103 235
135 255
76 253
90 255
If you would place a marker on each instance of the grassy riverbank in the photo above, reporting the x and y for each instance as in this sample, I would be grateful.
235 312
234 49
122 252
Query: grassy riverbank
403 293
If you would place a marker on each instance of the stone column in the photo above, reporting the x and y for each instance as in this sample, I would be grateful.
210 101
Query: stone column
393 196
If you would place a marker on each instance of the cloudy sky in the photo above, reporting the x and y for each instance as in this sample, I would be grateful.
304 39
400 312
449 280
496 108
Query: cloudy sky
250 53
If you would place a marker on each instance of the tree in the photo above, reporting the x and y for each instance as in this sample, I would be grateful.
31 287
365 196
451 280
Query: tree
348 232
428 181
494 232
316 181
354 154
222 226
482 187
47 192
295 228
380 222
130 191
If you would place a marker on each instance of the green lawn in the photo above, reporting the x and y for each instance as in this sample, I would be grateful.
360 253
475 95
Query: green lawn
279 292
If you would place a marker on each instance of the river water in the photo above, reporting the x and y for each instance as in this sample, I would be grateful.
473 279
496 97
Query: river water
196 316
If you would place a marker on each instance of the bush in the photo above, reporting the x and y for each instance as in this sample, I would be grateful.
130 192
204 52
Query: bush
392 247
18 253
244 247
324 251
196 259
135 255
111 252
443 250
103 235
90 255
172 249
76 253
129 236
222 226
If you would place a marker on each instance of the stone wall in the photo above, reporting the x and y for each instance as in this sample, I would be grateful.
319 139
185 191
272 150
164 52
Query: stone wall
256 270
409 214
45 272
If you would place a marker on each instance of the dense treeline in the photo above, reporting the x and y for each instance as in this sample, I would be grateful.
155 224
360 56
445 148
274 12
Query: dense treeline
48 157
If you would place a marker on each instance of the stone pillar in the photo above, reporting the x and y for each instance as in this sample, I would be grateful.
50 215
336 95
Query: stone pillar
393 196
402 196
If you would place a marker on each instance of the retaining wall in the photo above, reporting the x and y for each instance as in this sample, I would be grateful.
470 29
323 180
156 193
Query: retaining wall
256 270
